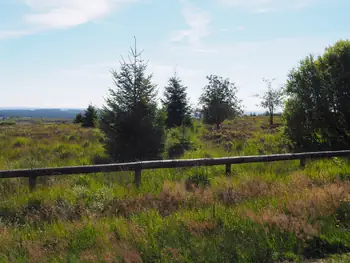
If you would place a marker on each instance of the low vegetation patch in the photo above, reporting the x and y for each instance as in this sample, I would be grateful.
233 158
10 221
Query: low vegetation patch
275 212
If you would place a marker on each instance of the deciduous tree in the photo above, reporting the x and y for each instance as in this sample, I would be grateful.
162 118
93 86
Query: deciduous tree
272 99
317 113
219 101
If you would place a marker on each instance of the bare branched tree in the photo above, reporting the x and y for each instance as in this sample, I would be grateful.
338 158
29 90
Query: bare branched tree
271 99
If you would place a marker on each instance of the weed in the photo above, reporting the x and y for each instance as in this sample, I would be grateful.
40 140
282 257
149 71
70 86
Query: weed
198 180
20 142
83 239
263 213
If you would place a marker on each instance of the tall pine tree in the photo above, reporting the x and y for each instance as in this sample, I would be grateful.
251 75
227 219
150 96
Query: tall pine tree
175 102
133 126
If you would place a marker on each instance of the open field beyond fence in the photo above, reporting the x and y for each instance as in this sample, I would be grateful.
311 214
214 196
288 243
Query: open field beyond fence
263 212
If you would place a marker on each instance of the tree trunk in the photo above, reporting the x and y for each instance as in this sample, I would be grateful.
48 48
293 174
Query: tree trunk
271 119
218 127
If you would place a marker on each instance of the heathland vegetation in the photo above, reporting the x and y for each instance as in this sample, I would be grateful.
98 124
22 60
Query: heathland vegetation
264 212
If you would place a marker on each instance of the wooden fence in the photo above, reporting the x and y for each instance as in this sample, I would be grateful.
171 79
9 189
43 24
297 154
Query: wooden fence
137 167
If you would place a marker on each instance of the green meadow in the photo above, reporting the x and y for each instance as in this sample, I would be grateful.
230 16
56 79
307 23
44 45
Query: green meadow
264 212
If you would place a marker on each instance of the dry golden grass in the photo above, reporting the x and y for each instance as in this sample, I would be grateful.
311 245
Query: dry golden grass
61 220
301 211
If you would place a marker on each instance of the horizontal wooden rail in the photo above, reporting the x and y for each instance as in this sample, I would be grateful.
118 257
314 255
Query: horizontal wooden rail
32 174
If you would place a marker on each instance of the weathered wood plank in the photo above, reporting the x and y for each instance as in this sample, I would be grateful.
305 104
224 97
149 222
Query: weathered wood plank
228 169
137 180
32 182
161 164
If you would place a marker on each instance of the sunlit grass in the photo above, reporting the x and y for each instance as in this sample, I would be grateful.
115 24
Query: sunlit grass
263 212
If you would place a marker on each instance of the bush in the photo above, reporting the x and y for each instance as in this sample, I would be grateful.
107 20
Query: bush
198 180
78 119
178 149
90 118
7 123
83 239
317 114
20 142
343 213
101 159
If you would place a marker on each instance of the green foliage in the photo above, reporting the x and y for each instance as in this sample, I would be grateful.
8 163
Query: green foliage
272 99
83 239
178 149
187 121
320 247
7 123
343 213
198 180
79 118
134 128
20 142
175 102
103 218
182 139
219 101
90 118
317 114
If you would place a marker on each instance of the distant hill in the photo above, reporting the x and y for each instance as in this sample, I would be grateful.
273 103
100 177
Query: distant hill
56 113
40 113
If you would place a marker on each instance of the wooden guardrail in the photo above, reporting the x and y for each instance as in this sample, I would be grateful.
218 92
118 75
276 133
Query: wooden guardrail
137 167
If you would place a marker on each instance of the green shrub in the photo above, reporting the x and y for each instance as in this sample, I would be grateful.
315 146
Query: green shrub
84 238
20 142
343 212
101 159
178 149
198 180
320 247
7 123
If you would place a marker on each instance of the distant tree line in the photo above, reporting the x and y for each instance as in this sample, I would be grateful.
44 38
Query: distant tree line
316 98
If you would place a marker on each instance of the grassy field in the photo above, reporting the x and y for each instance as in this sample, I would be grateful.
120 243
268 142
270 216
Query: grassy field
272 212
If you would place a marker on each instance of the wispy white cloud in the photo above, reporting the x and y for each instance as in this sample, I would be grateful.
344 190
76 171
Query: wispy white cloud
68 13
58 14
263 6
14 33
240 28
198 22
205 50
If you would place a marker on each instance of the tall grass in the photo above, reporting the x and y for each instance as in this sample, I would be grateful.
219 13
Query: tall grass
271 212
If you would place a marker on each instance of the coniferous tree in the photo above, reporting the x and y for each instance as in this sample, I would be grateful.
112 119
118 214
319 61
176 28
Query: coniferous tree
90 118
175 102
78 118
132 124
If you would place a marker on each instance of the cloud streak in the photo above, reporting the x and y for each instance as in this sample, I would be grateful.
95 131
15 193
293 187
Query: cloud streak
68 13
263 6
198 22
14 33
61 14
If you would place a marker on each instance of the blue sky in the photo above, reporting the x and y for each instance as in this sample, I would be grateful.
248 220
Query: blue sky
58 53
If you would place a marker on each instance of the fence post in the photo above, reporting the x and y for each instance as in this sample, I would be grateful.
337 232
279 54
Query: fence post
32 182
137 179
228 169
302 162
